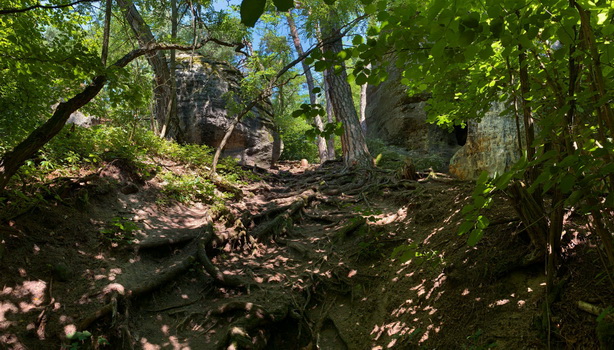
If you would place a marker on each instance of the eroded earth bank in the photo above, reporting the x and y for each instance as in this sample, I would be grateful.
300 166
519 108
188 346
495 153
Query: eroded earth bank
301 257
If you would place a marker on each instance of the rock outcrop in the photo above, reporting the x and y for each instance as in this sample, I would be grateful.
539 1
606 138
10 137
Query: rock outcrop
492 146
400 120
202 89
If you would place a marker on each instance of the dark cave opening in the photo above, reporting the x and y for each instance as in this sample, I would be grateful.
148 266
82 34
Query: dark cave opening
460 133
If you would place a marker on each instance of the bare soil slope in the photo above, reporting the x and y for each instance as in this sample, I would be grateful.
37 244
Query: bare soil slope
308 258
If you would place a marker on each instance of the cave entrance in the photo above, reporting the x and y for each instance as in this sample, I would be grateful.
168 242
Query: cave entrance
461 134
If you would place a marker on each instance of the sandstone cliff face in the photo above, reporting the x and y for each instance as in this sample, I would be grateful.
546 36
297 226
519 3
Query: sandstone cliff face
489 145
492 146
204 119
400 120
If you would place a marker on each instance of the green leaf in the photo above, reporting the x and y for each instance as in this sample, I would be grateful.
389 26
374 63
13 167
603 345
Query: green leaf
320 66
466 38
361 79
607 169
467 209
357 40
251 10
329 2
504 180
438 49
339 129
565 35
482 178
283 5
370 9
479 201
567 183
316 90
483 222
574 198
475 237
465 227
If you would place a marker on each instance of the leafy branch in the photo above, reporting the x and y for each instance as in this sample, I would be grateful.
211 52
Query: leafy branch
39 6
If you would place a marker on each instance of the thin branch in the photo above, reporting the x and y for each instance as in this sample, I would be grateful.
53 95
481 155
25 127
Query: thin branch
39 6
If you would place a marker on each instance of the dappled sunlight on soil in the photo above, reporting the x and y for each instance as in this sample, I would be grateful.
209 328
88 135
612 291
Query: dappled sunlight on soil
378 269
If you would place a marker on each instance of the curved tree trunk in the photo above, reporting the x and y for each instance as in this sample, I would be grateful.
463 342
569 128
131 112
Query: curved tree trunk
14 159
354 146
157 60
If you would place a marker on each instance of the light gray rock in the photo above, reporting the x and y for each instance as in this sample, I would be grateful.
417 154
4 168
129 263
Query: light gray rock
492 146
400 120
202 86
80 119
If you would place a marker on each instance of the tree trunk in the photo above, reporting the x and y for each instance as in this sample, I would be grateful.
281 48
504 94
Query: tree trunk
171 113
330 114
322 151
157 60
330 143
107 31
354 147
363 106
14 159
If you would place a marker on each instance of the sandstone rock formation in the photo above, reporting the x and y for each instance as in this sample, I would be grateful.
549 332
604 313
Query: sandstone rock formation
204 118
492 146
398 119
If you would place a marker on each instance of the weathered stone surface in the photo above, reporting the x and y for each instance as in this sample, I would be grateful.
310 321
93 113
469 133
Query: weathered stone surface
80 119
400 120
204 118
492 146
489 145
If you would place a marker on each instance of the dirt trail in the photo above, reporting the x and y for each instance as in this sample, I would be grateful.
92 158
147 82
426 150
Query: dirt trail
307 259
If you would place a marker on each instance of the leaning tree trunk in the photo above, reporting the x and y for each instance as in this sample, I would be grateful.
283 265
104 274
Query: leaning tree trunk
14 159
157 60
354 146
322 151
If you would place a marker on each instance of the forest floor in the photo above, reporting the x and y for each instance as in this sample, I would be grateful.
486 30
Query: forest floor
307 258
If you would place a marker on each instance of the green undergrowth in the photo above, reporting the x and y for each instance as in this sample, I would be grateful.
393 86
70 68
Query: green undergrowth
182 170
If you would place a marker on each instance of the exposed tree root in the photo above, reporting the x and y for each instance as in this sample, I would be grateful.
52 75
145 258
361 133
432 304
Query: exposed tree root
248 332
219 277
225 186
354 224
165 240
282 222
119 291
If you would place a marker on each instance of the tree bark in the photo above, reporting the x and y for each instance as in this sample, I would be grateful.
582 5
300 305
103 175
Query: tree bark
330 114
107 31
322 151
14 159
354 147
157 60
171 113
363 106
